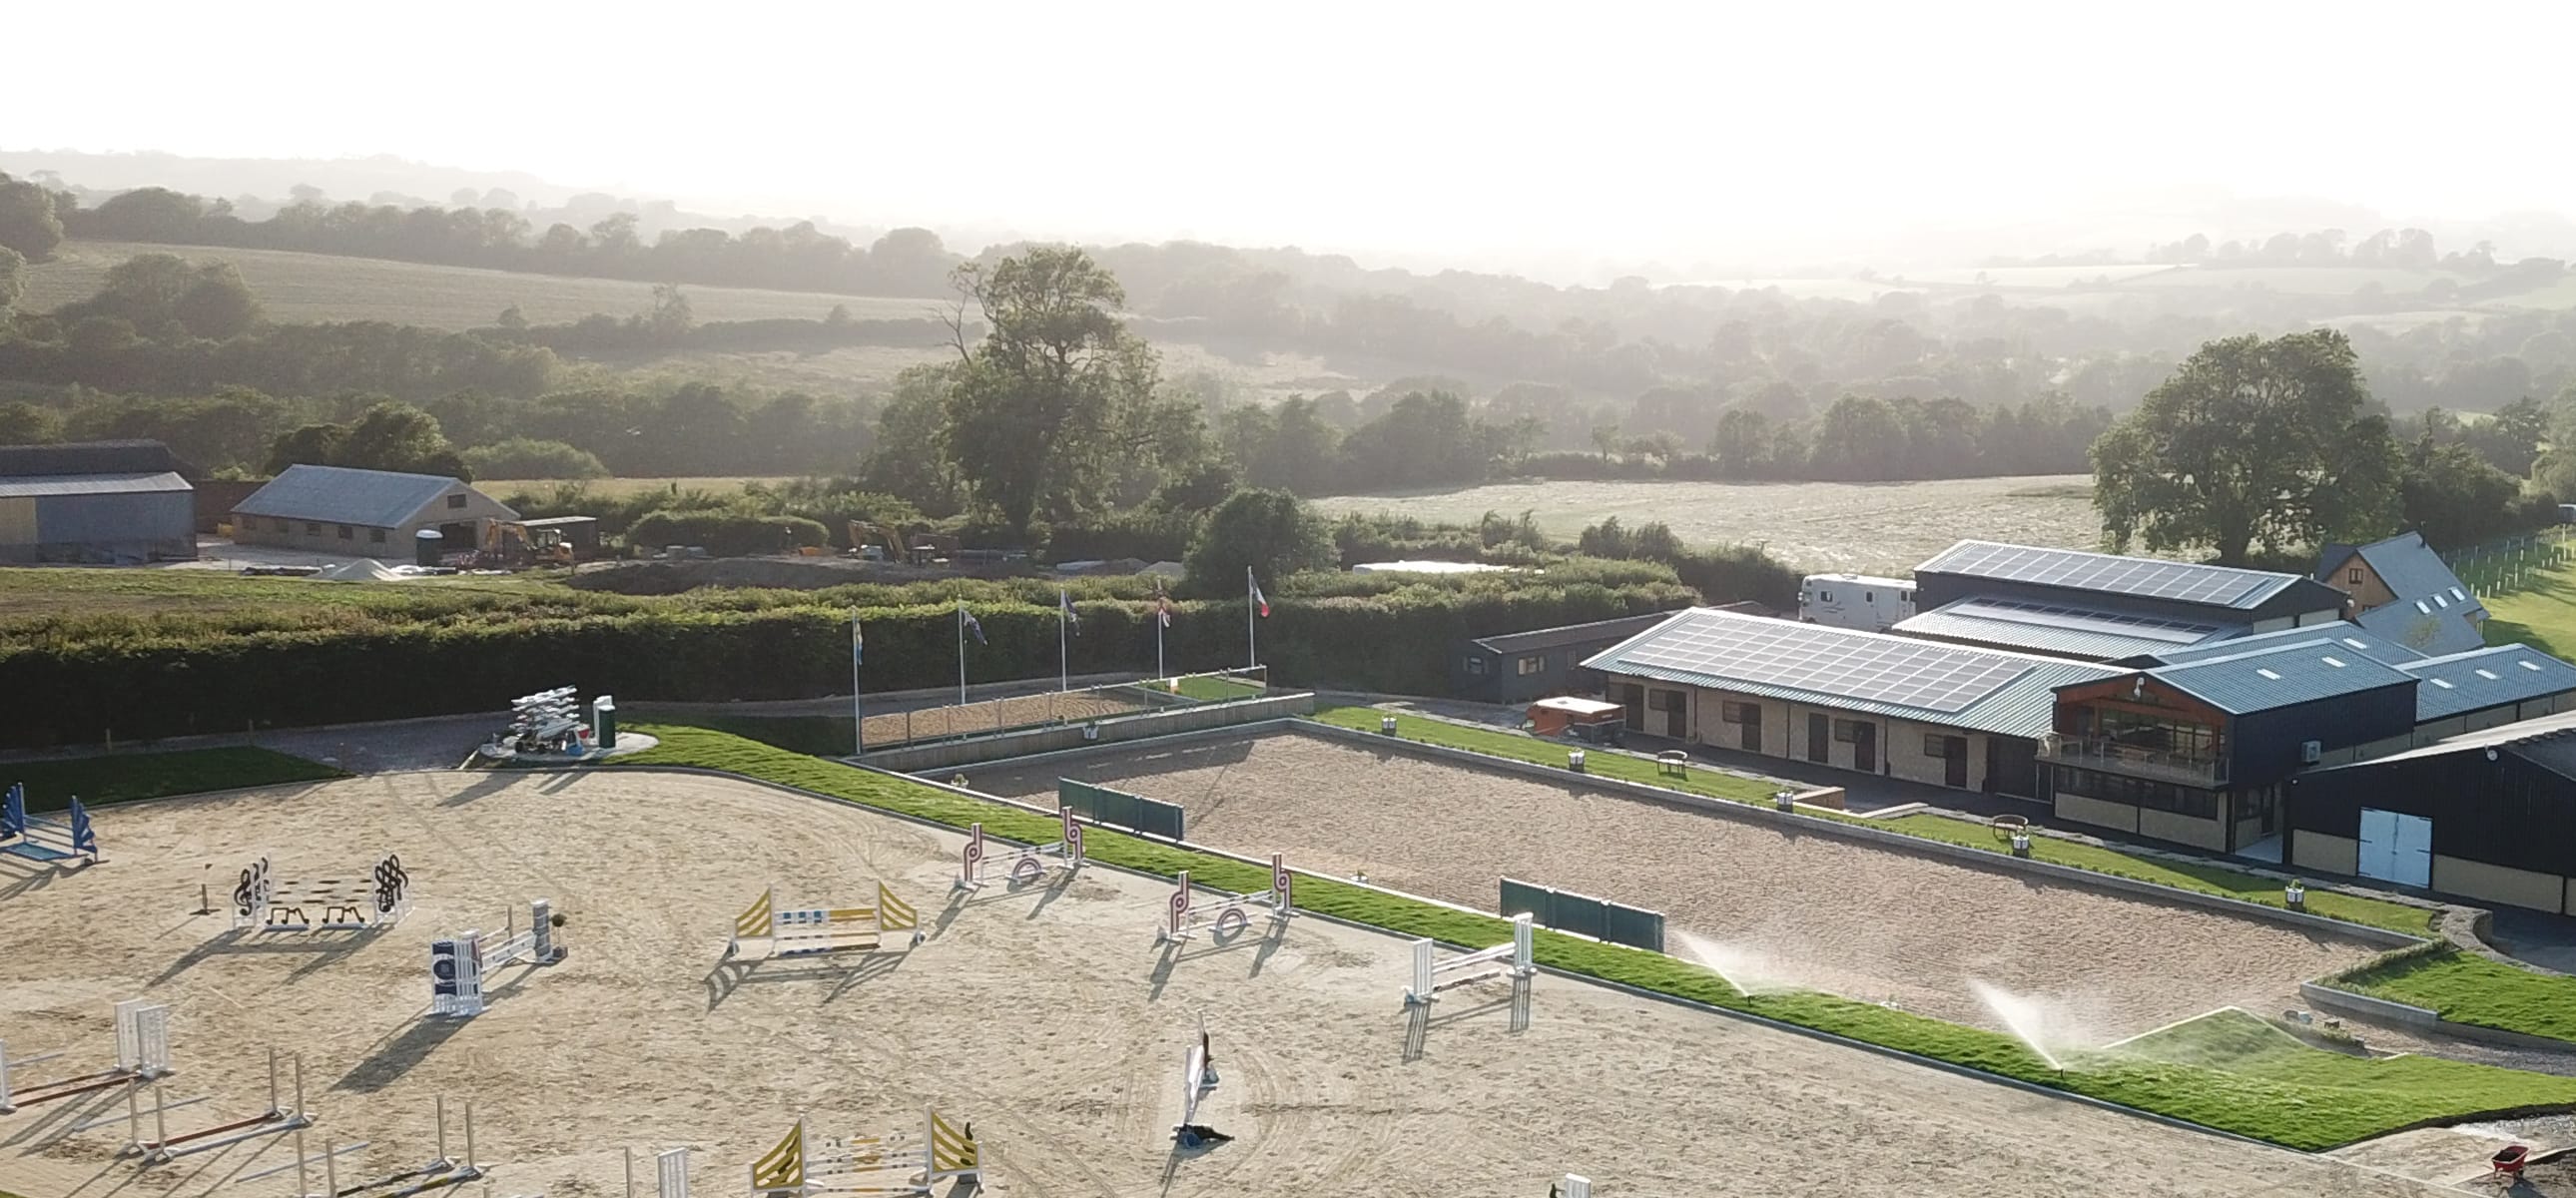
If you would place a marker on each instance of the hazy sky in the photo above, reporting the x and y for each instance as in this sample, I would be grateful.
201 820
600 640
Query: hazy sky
1612 128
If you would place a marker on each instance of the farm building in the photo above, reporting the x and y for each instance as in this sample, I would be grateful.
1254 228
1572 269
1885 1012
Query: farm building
362 513
1517 667
1948 715
95 502
2488 815
2402 591
2101 607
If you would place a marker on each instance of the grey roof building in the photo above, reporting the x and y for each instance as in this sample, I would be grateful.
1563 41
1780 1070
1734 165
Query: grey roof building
2099 606
2401 590
97 519
367 513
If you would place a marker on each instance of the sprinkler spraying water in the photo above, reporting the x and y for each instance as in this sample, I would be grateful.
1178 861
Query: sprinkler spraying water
2024 1018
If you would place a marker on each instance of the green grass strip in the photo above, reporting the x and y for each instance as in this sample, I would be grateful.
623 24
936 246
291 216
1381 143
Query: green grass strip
2308 1099
1708 781
125 777
2466 988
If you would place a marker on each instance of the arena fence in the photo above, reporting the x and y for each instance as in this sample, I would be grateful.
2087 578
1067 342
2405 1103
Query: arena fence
1013 713
1117 808
1584 915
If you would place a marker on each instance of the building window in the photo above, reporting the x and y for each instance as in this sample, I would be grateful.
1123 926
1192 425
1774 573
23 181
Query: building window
1869 596
377 536
312 528
2139 792
1935 745
1531 665
1668 700
1475 663
347 533
2354 577
455 503
1738 713
277 524
1847 731
1824 596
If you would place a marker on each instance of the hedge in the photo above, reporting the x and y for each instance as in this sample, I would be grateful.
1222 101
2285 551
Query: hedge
145 686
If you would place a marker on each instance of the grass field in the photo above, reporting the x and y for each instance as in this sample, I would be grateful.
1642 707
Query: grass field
2470 989
2542 614
2202 878
323 287
2233 1073
30 598
1876 527
125 777
620 488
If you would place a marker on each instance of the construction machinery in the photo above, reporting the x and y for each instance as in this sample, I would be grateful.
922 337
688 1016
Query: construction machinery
513 545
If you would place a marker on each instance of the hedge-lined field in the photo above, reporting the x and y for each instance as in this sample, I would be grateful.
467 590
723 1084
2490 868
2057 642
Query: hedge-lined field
125 777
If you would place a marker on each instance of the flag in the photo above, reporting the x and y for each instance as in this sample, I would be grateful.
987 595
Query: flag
972 624
1162 605
1065 602
1258 600
857 642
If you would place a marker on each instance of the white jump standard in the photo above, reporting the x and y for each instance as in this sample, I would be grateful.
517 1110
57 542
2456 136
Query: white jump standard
377 900
457 966
163 1147
1198 1080
142 1055
813 930
1232 915
43 838
670 1173
1431 976
895 1164
1021 866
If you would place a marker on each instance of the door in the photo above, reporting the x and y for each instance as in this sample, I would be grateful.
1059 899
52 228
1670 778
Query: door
1954 762
1750 734
1820 737
2396 847
1865 748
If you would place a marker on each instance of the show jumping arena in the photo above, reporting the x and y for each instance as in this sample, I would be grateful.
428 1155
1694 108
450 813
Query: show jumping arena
1044 1017
1767 907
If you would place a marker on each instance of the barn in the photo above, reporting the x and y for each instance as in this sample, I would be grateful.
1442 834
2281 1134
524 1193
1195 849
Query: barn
2489 815
362 513
98 502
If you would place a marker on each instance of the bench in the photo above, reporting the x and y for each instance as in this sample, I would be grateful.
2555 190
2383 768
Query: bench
1673 762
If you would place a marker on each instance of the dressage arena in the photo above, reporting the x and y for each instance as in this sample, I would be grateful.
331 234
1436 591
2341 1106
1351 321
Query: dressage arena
1046 1018
1777 907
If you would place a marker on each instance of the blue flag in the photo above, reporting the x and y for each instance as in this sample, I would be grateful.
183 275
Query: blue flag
857 642
972 624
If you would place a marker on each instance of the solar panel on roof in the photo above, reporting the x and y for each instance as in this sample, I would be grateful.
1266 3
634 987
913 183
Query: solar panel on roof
2184 581
2153 628
1882 669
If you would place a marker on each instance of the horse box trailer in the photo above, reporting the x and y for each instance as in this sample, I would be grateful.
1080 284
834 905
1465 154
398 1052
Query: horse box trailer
1861 601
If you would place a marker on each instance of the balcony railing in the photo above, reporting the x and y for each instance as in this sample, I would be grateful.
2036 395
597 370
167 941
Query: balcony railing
2099 754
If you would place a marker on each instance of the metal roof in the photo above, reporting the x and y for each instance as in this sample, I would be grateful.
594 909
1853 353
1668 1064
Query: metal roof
2280 675
44 486
2440 630
2062 629
1866 672
2344 633
2482 678
2548 728
1572 634
91 457
369 498
2076 569
2407 565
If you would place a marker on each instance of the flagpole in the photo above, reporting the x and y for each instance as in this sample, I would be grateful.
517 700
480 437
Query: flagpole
961 651
1063 672
1159 609
1251 616
858 718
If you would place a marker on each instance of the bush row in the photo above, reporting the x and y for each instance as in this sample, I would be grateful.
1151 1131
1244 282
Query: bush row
1397 641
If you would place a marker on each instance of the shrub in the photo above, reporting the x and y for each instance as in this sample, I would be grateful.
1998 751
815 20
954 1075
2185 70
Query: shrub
525 457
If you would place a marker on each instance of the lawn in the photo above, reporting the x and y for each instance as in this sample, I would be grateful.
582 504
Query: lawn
2465 988
2220 1075
121 778
1705 780
2541 614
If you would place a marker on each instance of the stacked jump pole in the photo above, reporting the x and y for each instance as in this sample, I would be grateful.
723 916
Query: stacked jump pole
142 1055
43 838
1432 975
811 931
893 1164
457 965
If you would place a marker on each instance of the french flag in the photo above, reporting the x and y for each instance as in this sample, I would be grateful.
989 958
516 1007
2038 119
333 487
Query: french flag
1259 600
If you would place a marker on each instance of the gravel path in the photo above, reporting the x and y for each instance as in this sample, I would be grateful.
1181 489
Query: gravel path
1043 1017
1768 907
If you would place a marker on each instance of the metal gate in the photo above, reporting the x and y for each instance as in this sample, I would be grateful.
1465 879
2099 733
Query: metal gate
2396 847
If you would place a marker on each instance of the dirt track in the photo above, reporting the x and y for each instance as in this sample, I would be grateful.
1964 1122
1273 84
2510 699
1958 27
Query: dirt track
1046 1019
1779 908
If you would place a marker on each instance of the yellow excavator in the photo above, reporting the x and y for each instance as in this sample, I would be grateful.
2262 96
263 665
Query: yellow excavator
511 545
877 541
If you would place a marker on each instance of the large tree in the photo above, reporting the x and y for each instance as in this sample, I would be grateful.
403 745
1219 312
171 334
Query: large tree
1058 399
28 223
2251 442
1272 532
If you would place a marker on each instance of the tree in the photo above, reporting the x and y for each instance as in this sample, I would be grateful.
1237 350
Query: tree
1041 412
389 436
218 305
23 423
1273 532
2251 441
908 461
27 221
2453 497
311 445
523 457
12 282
